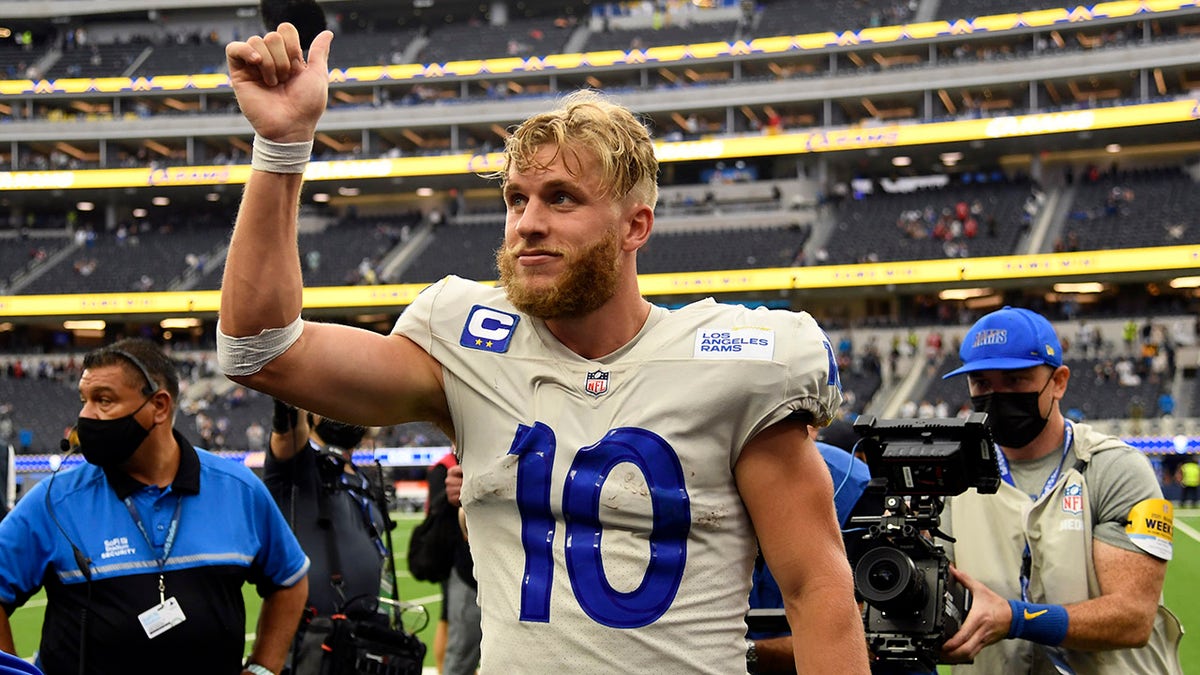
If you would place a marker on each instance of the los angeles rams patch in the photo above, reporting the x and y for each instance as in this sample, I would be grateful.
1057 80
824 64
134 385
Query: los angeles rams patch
488 329
735 343
1151 526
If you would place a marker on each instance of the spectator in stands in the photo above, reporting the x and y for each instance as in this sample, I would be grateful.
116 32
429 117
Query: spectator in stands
1086 597
1166 403
571 344
144 549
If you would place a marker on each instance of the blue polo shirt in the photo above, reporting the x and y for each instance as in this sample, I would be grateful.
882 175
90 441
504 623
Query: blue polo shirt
228 532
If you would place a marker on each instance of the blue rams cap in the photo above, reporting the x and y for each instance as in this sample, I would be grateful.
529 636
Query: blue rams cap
1009 339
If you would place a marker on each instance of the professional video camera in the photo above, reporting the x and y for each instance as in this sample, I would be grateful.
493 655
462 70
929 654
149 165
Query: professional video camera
913 604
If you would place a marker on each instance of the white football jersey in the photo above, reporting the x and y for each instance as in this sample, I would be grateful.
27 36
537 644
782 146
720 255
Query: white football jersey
605 522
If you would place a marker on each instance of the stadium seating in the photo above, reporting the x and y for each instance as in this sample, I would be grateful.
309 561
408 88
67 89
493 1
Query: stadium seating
722 249
44 406
468 251
1160 212
99 60
644 38
1130 209
159 256
797 17
188 57
522 37
868 229
969 9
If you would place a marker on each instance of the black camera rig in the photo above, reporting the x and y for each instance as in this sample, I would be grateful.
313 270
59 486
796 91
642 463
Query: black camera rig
912 602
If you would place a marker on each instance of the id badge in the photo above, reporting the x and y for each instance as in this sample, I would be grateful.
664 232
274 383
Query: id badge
161 618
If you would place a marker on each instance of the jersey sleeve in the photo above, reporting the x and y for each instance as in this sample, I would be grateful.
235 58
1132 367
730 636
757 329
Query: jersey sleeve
813 382
416 322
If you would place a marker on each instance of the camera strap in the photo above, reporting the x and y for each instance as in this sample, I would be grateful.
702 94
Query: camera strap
1055 654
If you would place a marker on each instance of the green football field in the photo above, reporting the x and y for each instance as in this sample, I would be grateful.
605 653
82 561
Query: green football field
1183 583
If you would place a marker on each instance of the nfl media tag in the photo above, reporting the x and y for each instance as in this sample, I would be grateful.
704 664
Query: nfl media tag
1151 526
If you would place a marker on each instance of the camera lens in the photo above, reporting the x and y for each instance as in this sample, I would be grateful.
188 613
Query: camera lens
884 575
888 579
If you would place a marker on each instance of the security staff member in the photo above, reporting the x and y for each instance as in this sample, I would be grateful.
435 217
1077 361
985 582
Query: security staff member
144 549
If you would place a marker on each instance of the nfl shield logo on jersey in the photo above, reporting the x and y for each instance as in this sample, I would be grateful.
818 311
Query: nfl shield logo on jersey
1072 501
597 383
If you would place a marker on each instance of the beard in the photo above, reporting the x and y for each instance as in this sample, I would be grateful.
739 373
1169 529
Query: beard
588 281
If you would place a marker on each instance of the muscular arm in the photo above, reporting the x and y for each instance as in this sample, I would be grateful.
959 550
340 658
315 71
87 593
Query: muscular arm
277 623
346 373
1121 617
6 636
789 495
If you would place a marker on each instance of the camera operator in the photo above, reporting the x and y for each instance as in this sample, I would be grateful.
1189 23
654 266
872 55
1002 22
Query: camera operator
1066 561
334 512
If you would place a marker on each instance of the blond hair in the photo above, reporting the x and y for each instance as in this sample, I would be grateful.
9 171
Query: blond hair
587 120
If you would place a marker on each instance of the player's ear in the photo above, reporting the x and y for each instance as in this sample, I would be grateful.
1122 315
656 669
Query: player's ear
640 221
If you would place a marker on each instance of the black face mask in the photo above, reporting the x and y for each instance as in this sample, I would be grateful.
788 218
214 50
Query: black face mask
109 443
338 434
1014 418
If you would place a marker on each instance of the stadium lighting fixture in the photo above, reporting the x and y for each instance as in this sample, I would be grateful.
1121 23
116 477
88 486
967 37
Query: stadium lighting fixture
85 206
902 161
424 192
320 197
950 158
964 293
84 324
1084 287
140 213
161 201
1185 282
348 191
213 197
179 322
1112 148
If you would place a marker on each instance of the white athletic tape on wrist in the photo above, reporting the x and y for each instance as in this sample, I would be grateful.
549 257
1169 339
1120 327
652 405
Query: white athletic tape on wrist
280 157
247 355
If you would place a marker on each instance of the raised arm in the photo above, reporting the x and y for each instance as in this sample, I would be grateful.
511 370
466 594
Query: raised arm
789 495
347 373
283 97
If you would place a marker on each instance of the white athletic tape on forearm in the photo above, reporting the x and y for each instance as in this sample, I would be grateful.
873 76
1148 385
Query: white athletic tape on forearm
280 157
247 355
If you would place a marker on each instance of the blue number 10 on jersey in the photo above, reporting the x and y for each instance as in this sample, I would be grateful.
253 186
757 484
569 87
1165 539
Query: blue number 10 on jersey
535 446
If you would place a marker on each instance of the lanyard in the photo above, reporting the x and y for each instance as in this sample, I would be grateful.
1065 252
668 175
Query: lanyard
358 490
1055 654
1068 439
167 545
